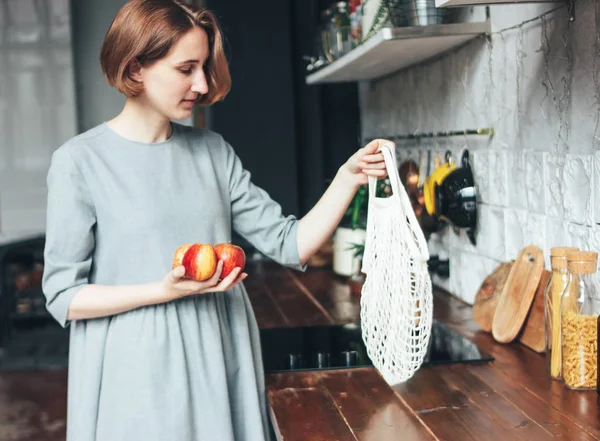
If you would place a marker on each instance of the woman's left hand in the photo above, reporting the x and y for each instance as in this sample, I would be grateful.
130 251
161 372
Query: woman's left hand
367 161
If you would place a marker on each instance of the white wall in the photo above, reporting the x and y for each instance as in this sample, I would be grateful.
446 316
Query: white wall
51 88
37 105
538 179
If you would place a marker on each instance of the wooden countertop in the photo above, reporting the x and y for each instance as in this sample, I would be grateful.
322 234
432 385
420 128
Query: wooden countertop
510 398
507 399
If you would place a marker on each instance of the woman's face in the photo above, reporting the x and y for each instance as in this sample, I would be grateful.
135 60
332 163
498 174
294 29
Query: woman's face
173 83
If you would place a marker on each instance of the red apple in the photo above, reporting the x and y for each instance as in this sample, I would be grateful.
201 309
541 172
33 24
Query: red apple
232 257
200 261
179 253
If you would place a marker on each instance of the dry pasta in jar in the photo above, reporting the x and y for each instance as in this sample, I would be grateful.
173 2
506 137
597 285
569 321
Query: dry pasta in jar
580 350
579 315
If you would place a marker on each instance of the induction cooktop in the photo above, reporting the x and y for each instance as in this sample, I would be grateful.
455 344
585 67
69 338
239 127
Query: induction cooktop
342 347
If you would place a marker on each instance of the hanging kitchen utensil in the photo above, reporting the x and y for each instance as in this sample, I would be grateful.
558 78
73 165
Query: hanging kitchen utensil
416 196
456 198
410 175
418 193
430 222
438 175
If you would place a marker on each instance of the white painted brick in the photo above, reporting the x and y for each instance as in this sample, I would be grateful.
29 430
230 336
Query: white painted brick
455 270
578 236
481 175
515 165
504 91
577 190
554 184
522 229
428 99
534 181
474 269
478 78
514 231
450 238
537 109
463 240
446 238
444 283
504 16
596 186
594 241
436 246
490 235
498 183
584 99
535 230
594 245
556 236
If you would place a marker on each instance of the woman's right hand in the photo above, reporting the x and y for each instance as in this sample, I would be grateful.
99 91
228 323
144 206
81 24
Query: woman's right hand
176 285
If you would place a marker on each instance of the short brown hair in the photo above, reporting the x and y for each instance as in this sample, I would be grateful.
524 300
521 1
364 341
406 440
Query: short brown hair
146 30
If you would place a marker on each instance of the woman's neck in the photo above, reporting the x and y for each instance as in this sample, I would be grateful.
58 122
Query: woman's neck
137 123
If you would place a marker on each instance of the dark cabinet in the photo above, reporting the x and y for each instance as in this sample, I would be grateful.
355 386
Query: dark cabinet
30 338
292 137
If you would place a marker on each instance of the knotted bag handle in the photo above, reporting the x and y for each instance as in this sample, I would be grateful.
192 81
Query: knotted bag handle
417 243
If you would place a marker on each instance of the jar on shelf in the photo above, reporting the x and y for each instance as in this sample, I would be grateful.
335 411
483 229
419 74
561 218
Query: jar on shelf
580 307
341 31
552 295
355 22
324 38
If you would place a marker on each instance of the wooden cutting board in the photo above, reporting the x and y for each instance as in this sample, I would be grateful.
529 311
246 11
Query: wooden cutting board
533 334
518 293
488 294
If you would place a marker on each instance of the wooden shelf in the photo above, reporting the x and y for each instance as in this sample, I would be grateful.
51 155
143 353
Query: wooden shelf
393 49
460 3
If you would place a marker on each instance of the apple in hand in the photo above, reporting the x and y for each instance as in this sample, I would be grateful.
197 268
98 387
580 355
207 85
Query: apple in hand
179 253
200 261
232 257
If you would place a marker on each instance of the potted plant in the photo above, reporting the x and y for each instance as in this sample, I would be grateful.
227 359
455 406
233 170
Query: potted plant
352 230
356 280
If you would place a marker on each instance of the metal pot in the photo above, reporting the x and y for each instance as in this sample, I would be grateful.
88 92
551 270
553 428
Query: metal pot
456 198
414 12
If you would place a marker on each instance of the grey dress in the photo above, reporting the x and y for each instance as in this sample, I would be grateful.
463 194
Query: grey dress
187 370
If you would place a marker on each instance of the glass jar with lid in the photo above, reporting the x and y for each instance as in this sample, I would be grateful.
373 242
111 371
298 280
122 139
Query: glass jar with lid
552 295
341 30
580 307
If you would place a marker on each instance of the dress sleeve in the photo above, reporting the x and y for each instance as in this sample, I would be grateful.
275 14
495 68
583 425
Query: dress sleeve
70 241
258 218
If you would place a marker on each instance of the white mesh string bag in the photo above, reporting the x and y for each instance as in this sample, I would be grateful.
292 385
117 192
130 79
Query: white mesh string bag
396 301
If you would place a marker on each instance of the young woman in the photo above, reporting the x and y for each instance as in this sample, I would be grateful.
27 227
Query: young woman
156 357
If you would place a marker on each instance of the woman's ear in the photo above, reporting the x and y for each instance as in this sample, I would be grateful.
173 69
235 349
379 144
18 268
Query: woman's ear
135 71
